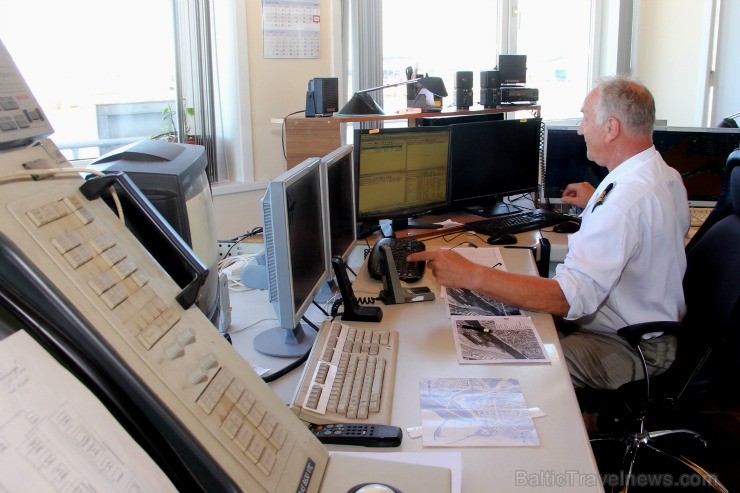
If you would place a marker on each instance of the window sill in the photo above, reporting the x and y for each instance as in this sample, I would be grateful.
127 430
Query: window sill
229 187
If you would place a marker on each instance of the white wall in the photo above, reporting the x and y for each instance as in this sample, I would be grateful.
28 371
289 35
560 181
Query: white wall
277 88
672 56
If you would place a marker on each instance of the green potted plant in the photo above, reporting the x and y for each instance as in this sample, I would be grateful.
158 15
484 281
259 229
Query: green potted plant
169 126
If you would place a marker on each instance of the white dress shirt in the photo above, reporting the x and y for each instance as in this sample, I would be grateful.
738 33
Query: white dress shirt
626 263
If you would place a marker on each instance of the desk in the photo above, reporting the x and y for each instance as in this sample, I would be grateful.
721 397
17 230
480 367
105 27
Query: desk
563 461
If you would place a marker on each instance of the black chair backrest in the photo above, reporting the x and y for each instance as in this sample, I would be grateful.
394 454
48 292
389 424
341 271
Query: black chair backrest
712 285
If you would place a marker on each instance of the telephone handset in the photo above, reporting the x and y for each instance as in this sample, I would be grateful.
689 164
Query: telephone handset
352 309
393 293
96 186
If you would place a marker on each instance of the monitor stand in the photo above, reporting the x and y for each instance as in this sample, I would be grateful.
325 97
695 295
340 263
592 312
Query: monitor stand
399 224
285 343
497 209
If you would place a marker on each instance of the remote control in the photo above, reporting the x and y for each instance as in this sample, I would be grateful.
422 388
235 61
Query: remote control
366 435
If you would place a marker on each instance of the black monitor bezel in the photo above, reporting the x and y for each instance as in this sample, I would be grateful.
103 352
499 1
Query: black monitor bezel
330 161
496 195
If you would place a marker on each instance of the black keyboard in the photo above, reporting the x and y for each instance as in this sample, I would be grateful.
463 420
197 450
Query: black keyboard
401 247
517 222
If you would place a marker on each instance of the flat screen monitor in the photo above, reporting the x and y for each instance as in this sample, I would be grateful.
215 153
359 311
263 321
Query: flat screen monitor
698 153
493 160
295 255
566 162
401 173
340 202
173 177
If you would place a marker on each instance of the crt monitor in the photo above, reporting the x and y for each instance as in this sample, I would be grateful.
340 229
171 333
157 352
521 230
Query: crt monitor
401 173
173 177
340 202
566 162
295 255
493 160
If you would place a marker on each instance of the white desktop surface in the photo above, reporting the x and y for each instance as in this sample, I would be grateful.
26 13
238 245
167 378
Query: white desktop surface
563 461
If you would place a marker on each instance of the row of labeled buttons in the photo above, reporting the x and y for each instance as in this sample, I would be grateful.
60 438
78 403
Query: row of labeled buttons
255 431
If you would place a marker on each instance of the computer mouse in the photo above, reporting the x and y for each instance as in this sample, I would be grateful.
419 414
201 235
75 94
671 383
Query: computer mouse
373 488
567 227
502 239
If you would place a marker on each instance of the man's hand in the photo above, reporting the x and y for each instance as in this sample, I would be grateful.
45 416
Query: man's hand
577 194
450 268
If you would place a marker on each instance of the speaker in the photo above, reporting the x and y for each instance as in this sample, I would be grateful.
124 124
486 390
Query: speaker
322 97
464 80
490 97
463 98
513 69
490 79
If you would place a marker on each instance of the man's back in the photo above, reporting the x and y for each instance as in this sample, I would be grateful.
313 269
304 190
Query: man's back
626 263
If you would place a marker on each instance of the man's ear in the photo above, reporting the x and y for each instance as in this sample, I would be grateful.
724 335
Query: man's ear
612 128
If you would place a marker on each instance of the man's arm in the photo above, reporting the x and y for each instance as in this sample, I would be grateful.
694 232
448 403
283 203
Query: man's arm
523 291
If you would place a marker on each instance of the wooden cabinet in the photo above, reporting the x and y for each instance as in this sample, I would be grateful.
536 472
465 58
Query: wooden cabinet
316 137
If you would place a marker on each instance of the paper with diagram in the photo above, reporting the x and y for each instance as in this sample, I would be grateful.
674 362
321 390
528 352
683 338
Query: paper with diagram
484 340
466 303
475 412
55 435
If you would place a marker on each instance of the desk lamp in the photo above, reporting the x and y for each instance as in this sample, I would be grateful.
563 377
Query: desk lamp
362 103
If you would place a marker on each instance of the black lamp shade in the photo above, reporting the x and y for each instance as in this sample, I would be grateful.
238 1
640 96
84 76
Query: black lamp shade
361 104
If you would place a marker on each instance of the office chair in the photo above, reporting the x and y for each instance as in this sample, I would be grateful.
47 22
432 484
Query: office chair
708 343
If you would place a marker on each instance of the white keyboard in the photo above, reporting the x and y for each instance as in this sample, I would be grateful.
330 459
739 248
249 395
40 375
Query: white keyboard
349 376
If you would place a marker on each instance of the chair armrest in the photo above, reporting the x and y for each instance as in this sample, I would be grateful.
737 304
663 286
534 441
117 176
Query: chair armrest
633 333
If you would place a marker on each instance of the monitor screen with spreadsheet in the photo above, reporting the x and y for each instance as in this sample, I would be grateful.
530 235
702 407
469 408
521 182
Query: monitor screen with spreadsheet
400 172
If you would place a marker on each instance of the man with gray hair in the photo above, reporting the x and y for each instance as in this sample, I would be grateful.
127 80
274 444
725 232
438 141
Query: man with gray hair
626 263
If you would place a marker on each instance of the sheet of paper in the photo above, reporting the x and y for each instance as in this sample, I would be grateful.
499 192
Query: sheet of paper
484 340
55 435
475 412
464 302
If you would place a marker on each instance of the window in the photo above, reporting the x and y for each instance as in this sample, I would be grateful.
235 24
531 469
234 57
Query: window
439 38
105 73
102 71
468 35
558 57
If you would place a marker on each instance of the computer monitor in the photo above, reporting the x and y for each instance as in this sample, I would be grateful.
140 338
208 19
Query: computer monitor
566 162
173 177
340 211
493 160
401 173
698 153
295 255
